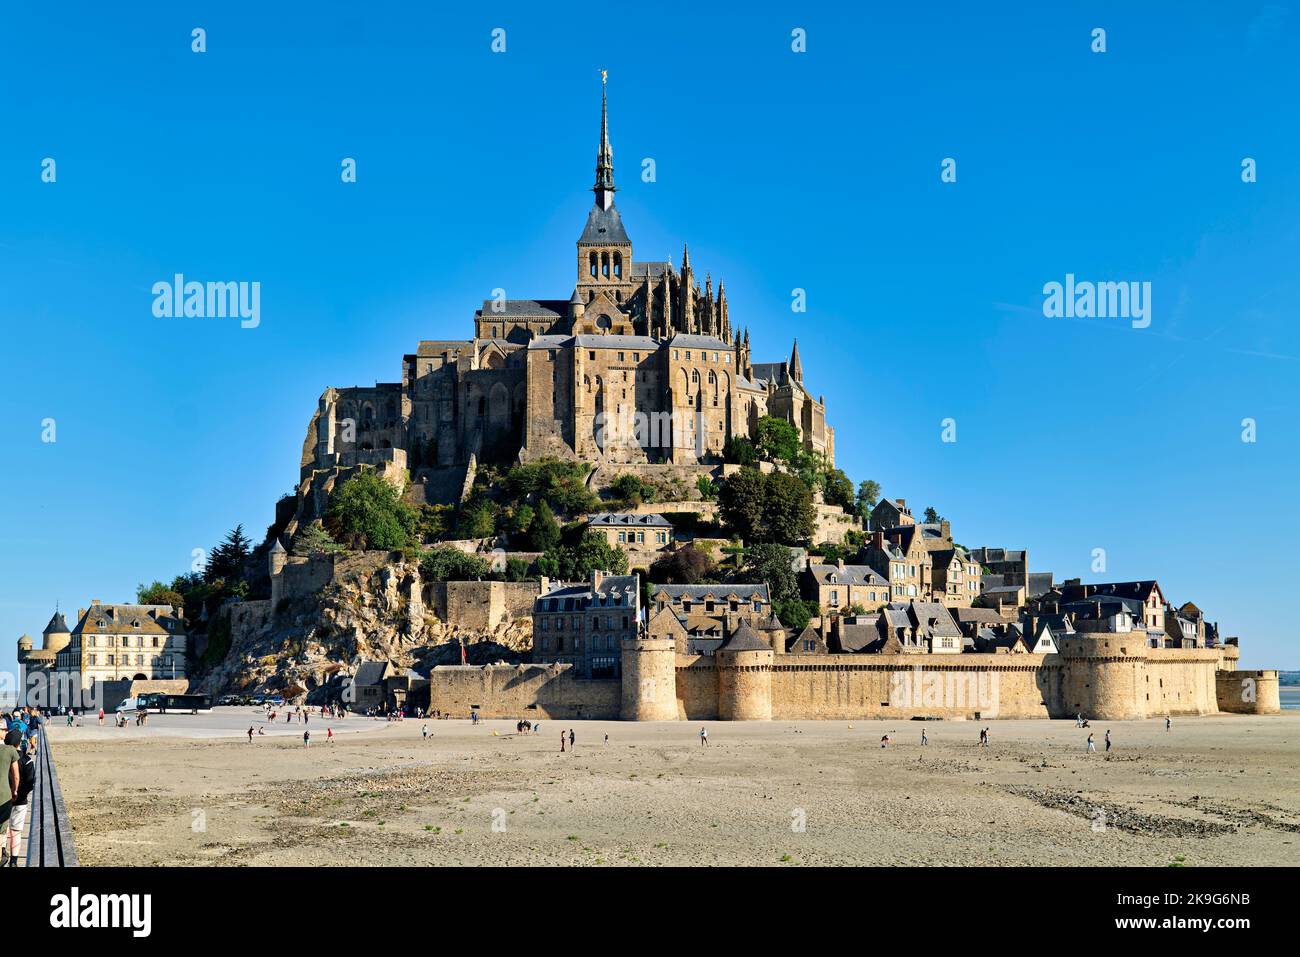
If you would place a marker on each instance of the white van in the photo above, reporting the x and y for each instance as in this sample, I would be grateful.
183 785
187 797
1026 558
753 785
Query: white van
130 704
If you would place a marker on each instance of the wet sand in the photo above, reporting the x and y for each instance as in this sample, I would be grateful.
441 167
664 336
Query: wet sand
1221 790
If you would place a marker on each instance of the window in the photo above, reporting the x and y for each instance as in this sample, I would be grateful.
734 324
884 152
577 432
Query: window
758 606
640 537
688 355
622 536
620 357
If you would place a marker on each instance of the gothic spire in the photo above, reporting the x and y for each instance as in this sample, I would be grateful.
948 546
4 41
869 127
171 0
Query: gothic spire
796 366
604 188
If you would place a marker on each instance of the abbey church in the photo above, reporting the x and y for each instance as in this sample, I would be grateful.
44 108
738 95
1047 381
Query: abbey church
637 342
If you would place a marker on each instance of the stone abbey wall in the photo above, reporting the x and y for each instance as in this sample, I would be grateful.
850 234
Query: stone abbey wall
1248 692
480 605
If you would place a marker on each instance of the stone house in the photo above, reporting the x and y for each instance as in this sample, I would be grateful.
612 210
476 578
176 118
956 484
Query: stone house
709 613
900 557
638 532
584 624
890 513
958 579
1150 609
840 589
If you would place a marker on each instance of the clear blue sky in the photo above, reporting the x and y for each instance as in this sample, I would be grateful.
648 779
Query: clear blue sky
782 170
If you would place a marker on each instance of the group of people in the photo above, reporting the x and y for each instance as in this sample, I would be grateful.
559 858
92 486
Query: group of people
18 766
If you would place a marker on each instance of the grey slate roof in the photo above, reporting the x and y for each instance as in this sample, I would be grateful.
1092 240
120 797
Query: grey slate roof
369 673
743 590
57 624
629 518
743 638
616 342
687 341
549 342
534 308
848 575
604 226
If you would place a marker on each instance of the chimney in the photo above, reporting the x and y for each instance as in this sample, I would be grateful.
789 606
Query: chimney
901 503
878 539
945 529
839 563
546 584
81 613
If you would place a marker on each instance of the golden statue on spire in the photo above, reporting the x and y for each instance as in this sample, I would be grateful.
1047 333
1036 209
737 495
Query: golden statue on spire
604 75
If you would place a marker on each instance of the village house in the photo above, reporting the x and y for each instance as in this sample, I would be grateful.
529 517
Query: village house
632 531
842 589
899 556
890 513
958 579
1151 600
583 624
709 613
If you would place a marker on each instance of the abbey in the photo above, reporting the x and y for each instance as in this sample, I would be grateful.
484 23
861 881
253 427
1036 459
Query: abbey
636 341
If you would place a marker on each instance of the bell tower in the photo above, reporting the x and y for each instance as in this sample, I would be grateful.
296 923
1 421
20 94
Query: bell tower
604 249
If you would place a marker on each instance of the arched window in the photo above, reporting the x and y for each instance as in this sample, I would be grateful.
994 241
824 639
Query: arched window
591 261
695 377
604 265
618 265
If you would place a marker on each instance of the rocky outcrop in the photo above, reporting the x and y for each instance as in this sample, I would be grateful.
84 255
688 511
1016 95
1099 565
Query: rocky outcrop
368 612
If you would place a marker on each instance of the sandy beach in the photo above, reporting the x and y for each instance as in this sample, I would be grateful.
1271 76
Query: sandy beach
189 790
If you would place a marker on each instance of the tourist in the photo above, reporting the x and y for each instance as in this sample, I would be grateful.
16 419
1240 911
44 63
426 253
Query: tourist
1092 745
562 739
571 736
983 738
1108 739
250 734
704 736
925 738
306 739
26 780
424 732
884 741
101 717
1078 720
1167 722
329 735
607 737
9 771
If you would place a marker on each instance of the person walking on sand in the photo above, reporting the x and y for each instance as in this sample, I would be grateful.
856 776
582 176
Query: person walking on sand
704 736
571 737
1108 739
329 735
1167 722
101 717
250 734
424 732
562 739
925 738
607 737
884 741
1092 744
306 739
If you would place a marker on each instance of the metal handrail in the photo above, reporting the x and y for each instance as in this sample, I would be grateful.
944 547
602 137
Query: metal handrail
49 835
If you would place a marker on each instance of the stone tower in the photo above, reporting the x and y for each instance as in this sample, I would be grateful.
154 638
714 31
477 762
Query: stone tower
276 559
1104 675
649 679
744 666
56 636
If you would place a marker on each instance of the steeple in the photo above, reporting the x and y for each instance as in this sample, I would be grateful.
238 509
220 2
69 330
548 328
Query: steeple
796 366
604 188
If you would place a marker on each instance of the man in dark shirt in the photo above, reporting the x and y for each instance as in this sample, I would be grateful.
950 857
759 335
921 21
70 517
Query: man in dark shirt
9 771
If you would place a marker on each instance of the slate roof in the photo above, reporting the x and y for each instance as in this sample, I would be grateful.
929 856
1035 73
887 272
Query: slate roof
125 619
57 625
616 342
615 590
686 341
533 308
370 673
743 638
622 519
743 591
1040 583
848 575
604 226
549 342
640 270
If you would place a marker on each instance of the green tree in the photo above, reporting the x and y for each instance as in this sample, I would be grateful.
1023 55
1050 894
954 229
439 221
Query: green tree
796 614
868 496
368 512
226 561
448 564
517 570
477 519
788 512
157 593
594 553
931 516
708 488
739 451
741 501
545 530
313 538
776 440
688 565
773 564
838 489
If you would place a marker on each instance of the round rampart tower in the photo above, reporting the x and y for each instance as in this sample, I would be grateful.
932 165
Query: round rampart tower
1103 675
649 679
744 666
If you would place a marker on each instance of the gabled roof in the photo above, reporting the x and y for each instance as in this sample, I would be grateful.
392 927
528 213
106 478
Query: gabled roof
686 341
371 673
57 625
746 591
615 342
